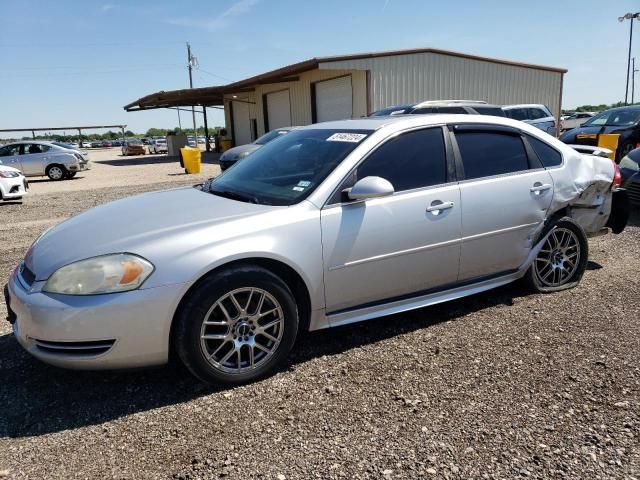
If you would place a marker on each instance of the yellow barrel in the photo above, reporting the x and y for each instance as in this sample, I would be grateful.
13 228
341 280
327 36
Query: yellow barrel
192 158
225 144
610 141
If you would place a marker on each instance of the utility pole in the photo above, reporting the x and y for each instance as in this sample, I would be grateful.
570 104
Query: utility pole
633 78
192 62
629 16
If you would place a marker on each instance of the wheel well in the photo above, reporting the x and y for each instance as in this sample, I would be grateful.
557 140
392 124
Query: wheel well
288 275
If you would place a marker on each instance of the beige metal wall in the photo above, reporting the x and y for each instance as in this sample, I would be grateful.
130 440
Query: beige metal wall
300 96
432 76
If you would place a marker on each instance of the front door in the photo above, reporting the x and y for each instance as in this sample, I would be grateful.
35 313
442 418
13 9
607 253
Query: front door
505 195
384 248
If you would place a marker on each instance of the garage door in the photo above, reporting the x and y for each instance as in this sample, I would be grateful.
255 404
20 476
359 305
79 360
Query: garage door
278 109
334 99
241 123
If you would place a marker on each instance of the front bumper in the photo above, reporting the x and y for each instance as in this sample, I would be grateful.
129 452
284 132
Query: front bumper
120 330
15 187
79 167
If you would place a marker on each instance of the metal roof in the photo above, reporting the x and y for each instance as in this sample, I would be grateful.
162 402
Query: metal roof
211 96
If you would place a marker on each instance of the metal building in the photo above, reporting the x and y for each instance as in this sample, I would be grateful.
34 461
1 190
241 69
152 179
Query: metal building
352 86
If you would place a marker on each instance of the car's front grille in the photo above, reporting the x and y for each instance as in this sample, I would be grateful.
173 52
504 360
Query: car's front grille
633 189
27 275
78 349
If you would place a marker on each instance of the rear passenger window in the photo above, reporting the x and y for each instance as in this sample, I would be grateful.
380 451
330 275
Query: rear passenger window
485 154
411 160
451 110
549 156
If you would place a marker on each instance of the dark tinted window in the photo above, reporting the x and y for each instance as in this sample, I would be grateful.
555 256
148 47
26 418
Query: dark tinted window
451 110
517 113
411 160
549 156
423 110
488 153
10 150
495 111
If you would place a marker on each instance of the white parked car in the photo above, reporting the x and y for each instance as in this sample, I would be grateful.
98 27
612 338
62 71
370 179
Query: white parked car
157 145
13 185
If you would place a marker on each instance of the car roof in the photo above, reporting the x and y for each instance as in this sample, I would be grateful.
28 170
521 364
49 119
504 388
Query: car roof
524 105
428 119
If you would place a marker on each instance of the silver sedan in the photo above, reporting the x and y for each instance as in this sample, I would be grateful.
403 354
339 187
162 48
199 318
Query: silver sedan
56 160
330 224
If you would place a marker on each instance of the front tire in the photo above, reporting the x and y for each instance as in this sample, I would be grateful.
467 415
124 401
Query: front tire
70 175
237 326
56 172
562 260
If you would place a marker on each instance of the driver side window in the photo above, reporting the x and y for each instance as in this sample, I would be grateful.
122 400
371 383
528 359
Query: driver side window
410 160
9 150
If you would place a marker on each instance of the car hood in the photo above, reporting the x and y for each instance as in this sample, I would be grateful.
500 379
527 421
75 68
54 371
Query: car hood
151 225
4 168
589 130
235 152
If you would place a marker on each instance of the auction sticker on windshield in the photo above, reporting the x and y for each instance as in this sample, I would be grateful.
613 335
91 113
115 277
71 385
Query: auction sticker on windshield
346 137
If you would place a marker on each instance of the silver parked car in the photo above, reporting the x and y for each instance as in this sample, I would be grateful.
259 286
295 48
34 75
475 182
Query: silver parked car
37 158
333 223
235 154
537 115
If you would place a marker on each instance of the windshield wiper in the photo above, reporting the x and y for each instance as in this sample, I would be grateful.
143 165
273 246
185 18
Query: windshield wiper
243 197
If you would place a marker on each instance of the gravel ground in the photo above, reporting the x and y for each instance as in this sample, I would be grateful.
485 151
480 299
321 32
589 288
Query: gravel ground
504 384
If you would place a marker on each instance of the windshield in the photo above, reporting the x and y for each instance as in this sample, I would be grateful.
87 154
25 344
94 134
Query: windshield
615 118
395 110
288 169
134 141
267 137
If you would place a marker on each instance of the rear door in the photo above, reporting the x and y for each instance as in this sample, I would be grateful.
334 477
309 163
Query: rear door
505 194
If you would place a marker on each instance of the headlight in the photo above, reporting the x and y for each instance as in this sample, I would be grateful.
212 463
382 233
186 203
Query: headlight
118 272
4 174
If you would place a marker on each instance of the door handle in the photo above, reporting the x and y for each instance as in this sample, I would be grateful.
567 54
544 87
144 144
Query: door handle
540 187
438 205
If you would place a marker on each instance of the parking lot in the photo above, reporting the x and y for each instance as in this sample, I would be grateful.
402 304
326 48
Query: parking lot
504 384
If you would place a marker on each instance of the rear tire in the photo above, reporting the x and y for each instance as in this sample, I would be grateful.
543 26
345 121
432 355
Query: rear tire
56 172
70 175
562 260
238 325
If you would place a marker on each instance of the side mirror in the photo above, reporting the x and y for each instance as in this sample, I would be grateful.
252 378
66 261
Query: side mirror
370 187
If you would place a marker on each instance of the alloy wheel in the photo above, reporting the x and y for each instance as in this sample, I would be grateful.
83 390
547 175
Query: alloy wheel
56 173
242 330
558 259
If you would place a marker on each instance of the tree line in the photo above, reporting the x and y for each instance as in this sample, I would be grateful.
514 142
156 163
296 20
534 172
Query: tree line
111 135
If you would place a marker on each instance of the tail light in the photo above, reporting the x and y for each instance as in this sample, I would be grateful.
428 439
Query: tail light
617 176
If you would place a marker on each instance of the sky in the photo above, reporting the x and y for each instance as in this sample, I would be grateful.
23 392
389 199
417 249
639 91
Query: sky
72 62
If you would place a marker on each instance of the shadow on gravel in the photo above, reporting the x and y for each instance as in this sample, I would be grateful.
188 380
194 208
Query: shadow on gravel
210 158
10 202
48 180
37 399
